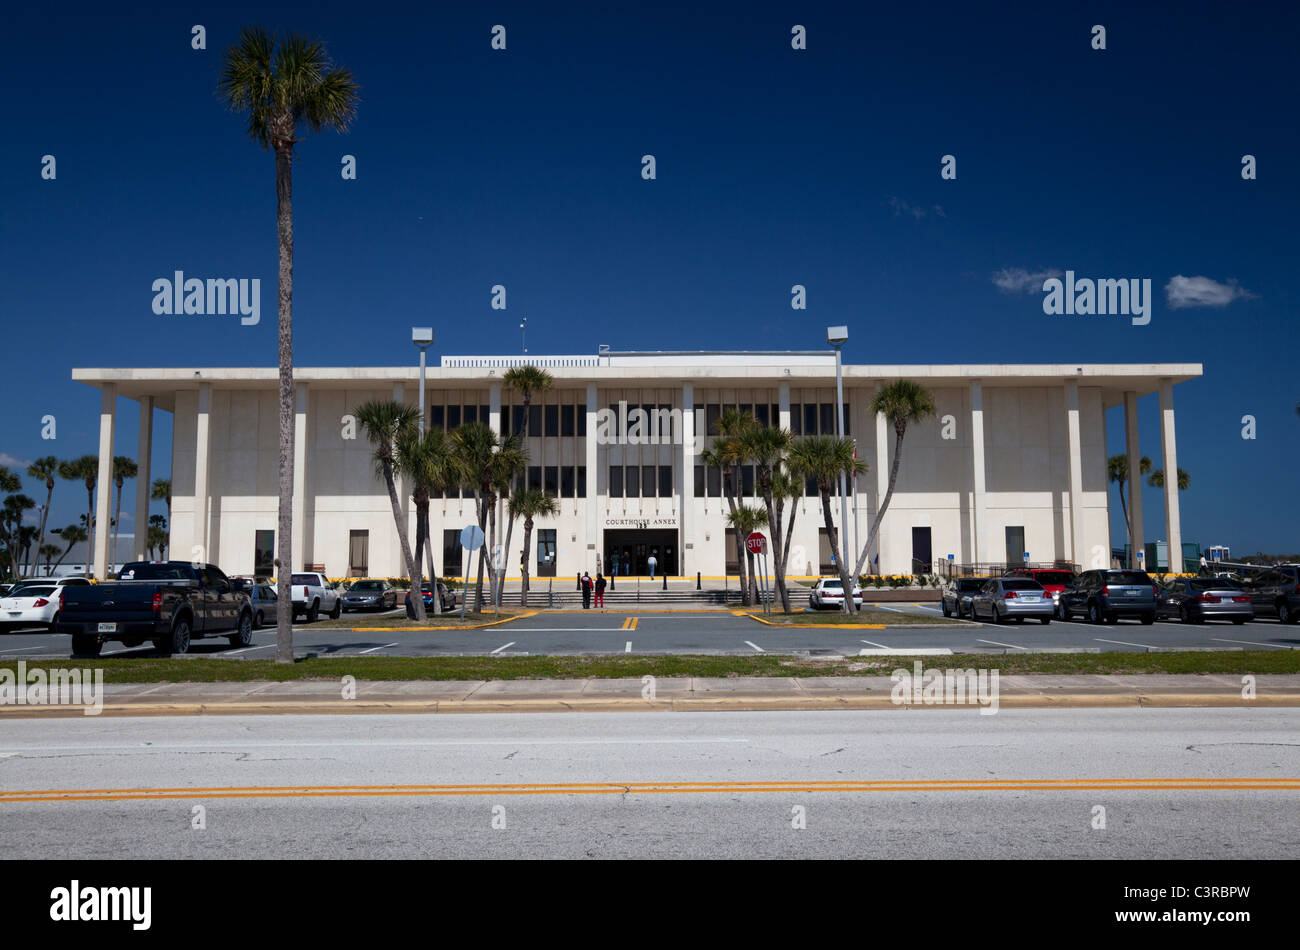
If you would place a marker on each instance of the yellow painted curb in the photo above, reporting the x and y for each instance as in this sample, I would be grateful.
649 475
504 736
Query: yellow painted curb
818 626
468 626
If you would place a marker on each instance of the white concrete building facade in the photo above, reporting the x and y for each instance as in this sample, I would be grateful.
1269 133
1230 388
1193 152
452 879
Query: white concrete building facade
1013 462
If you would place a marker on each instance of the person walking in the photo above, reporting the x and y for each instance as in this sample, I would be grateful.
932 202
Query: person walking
600 589
652 562
586 591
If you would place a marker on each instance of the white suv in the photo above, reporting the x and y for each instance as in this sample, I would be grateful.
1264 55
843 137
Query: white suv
829 592
312 593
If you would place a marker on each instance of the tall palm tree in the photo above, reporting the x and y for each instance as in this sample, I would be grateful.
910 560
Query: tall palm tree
824 458
280 87
510 466
901 402
743 521
157 536
123 468
161 490
9 482
787 489
386 423
1117 472
527 380
529 504
429 463
44 470
72 535
477 450
86 471
47 551
767 446
11 522
728 454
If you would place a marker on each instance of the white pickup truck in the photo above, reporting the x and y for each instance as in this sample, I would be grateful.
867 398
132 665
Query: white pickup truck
312 593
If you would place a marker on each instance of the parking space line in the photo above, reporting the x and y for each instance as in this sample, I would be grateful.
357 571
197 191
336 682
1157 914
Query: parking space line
881 645
502 647
755 646
1276 646
1145 646
996 644
373 649
628 648
264 646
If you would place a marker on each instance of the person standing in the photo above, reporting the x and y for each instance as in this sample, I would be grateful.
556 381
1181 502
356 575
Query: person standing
600 589
586 591
613 562
652 562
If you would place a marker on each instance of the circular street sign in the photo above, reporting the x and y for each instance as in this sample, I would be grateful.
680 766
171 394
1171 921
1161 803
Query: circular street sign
471 538
756 543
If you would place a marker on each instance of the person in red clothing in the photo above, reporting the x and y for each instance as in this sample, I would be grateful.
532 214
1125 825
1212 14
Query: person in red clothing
600 589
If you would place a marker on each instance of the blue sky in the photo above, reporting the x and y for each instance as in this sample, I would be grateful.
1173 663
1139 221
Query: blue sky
774 167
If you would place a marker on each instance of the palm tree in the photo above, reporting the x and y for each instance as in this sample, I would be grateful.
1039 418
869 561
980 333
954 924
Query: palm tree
9 482
162 491
157 536
278 88
824 458
385 424
47 551
529 504
509 467
86 471
1157 479
1117 472
728 455
527 380
123 468
901 402
743 521
429 463
44 470
485 458
767 447
73 534
787 489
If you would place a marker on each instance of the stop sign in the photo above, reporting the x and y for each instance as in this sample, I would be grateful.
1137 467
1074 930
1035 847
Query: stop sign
756 543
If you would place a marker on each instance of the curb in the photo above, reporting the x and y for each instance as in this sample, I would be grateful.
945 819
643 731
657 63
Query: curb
468 626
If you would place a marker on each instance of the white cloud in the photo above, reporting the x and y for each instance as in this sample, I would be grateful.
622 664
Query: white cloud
1017 280
11 462
1202 292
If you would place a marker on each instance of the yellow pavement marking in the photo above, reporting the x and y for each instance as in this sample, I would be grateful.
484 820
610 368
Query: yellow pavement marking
657 788
818 626
468 626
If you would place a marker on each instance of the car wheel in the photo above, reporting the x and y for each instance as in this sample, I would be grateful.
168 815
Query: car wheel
258 621
1094 613
1148 618
313 611
54 623
946 611
1044 620
337 611
1285 614
996 617
1239 620
244 635
85 645
1184 614
178 642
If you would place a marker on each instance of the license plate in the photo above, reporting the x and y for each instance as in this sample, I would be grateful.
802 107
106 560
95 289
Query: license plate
15 613
108 628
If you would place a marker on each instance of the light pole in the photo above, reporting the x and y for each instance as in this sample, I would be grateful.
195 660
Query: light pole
523 334
836 336
422 337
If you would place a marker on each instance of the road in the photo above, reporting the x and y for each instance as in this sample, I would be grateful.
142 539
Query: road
717 632
333 786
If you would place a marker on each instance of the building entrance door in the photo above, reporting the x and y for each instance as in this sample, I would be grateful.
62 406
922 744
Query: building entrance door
631 551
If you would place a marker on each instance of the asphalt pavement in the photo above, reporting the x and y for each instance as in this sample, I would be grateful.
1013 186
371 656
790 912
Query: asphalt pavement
712 632
1112 783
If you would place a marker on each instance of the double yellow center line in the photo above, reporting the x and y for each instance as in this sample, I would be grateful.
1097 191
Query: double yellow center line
657 788
630 623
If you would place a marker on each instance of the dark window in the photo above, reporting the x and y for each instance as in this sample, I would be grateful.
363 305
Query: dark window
760 413
796 419
358 553
483 415
517 420
616 481
829 426
747 480
453 417
566 481
552 481
616 422
810 418
534 476
714 476
775 414
582 481
534 420
847 431
633 476
699 481
746 409
582 420
552 421
264 552
471 414
665 481
566 419
810 487
647 481
647 422
712 415
437 417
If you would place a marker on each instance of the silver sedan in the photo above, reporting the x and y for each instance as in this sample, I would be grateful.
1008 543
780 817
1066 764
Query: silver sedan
1003 598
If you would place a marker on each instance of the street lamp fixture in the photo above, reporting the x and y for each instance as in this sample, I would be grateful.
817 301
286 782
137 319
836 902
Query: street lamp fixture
422 337
836 337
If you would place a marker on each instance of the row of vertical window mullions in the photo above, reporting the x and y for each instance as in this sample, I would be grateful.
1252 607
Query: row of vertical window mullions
553 420
640 481
453 417
709 482
562 481
810 418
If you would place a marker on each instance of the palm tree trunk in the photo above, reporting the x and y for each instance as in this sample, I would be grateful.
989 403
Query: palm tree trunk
789 536
117 526
90 529
428 547
884 505
284 346
492 561
774 525
505 557
412 569
833 536
483 503
745 598
1128 525
45 516
528 540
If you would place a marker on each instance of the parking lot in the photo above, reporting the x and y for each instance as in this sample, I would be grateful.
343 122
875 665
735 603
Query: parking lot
711 632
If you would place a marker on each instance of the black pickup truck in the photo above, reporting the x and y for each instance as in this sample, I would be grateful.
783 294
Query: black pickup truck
166 602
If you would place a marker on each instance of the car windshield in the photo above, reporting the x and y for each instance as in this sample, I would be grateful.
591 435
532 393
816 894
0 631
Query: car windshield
1121 578
1021 585
308 579
362 586
837 585
1218 583
973 583
1053 577
154 572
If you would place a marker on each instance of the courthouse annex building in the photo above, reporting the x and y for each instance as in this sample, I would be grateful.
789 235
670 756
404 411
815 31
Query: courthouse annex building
1014 460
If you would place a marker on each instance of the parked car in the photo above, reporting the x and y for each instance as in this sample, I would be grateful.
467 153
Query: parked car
45 582
1198 599
33 604
166 602
449 598
312 593
370 595
957 596
1053 579
1276 593
1005 598
829 593
1105 596
262 600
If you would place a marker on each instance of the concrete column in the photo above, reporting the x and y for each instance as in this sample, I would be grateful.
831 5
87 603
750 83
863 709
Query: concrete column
202 468
1131 445
882 486
143 478
104 480
299 557
592 501
686 502
1074 455
1169 452
494 407
979 508
783 408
